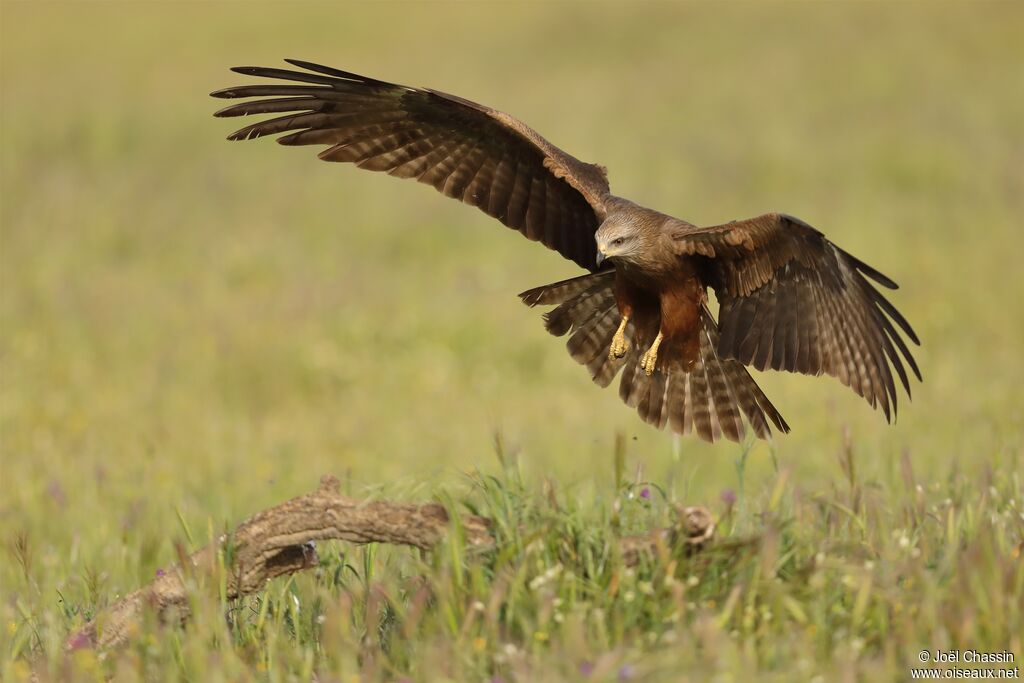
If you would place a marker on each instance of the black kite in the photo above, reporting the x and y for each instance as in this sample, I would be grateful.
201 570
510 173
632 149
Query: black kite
788 298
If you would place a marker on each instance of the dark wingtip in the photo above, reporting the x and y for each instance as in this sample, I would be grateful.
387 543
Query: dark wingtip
303 64
772 413
879 277
244 134
782 424
336 73
531 296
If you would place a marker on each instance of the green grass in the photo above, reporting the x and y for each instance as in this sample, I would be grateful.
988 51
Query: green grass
195 330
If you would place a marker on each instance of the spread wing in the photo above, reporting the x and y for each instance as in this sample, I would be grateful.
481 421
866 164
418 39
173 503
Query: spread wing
791 300
473 153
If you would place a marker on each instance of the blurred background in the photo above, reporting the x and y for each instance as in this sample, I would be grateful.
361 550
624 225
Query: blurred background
195 325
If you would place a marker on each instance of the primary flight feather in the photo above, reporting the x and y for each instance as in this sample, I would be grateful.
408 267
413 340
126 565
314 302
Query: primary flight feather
788 298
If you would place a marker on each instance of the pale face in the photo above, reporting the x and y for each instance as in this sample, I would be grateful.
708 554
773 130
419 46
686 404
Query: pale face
617 240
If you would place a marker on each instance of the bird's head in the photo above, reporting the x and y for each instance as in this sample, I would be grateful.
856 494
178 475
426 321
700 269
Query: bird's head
618 240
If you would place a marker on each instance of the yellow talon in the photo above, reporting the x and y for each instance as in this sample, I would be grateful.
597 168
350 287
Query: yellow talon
650 357
619 342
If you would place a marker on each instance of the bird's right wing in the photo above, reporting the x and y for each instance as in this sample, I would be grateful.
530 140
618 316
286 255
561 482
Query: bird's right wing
467 151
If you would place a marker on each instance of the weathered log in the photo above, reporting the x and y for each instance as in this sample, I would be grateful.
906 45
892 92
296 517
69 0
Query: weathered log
279 541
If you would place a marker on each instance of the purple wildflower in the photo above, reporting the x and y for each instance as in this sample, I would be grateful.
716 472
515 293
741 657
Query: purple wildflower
586 667
79 641
56 493
645 493
626 672
728 497
160 572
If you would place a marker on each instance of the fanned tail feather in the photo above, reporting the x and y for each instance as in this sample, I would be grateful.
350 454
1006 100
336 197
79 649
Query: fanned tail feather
713 397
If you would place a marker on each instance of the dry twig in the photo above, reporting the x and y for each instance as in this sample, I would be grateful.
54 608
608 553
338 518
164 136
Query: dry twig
280 540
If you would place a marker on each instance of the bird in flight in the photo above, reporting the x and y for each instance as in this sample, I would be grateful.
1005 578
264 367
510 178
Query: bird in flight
789 299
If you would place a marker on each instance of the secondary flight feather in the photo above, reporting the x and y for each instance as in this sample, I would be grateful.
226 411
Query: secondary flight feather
789 299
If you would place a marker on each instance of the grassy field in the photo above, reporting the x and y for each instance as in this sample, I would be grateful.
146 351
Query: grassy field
192 330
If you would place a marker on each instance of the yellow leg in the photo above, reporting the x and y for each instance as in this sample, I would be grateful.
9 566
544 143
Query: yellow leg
650 357
619 342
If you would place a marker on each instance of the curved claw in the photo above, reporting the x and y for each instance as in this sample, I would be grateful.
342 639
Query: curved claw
650 358
620 345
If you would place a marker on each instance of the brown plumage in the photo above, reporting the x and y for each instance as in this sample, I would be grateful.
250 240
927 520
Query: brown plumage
788 298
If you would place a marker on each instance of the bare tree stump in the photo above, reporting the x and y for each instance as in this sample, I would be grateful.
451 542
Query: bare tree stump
279 541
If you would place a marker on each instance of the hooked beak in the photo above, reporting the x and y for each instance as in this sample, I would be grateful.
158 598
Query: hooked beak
601 256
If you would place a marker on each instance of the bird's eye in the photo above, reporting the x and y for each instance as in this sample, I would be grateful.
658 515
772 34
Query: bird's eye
618 241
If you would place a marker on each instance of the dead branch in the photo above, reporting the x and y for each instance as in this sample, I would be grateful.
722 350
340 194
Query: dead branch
280 540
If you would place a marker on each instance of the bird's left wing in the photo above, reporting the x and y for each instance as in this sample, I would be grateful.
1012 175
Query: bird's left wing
467 151
791 300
